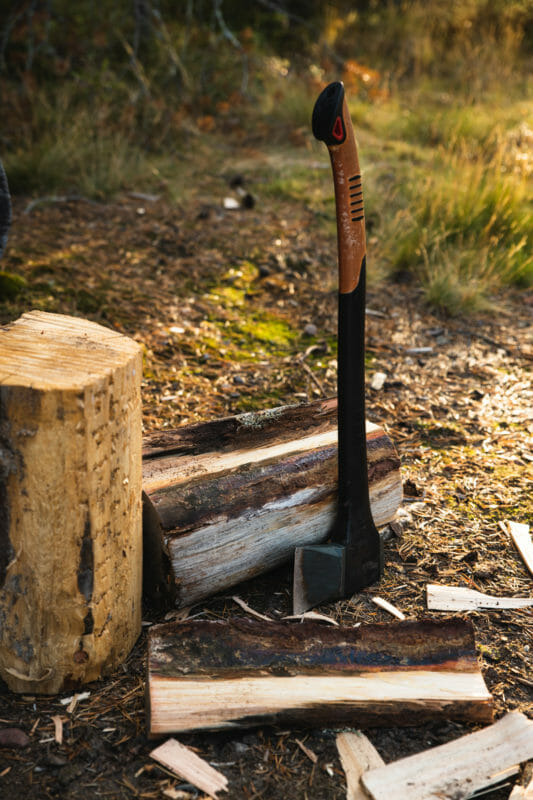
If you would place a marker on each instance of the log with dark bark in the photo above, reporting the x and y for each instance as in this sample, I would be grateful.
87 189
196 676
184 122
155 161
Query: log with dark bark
235 496
240 673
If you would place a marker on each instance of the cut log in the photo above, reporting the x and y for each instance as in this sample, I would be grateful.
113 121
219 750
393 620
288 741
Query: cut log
236 496
357 754
240 673
458 769
458 598
70 501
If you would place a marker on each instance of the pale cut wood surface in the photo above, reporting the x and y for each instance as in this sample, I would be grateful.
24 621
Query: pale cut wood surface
358 755
522 538
240 673
70 500
458 598
235 496
458 769
184 761
386 606
522 792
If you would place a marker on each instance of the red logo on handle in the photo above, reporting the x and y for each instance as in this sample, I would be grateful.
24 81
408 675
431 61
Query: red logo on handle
338 130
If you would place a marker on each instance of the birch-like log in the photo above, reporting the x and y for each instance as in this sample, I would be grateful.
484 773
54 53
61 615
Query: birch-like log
70 501
240 673
235 496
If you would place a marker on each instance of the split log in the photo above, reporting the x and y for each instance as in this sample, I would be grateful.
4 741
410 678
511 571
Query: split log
236 496
459 598
458 769
240 673
520 535
70 501
357 755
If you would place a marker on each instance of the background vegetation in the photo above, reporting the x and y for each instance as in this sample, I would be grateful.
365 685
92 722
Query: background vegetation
133 96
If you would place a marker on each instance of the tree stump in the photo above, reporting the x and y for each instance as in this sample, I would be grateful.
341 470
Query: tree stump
70 501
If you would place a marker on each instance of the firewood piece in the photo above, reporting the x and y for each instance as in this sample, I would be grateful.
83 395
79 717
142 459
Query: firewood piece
70 501
240 673
185 763
159 587
520 535
458 598
458 769
358 755
522 792
235 496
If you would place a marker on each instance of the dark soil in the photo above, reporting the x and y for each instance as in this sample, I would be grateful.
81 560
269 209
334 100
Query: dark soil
190 284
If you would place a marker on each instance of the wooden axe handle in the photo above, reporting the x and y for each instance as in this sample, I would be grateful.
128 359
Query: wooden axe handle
332 124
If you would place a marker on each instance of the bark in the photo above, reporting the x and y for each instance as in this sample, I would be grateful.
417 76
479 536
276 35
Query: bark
236 496
241 673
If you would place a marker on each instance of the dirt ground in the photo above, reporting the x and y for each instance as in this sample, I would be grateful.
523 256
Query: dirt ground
236 310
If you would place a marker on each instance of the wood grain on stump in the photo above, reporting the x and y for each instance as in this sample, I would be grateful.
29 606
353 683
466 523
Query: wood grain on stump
70 501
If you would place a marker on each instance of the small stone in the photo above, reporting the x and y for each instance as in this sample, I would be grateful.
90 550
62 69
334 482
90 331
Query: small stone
310 329
378 381
13 737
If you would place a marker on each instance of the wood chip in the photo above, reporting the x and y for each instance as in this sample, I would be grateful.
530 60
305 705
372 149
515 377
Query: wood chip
458 598
313 615
358 755
72 702
185 763
309 753
386 606
458 769
520 535
249 610
58 728
522 792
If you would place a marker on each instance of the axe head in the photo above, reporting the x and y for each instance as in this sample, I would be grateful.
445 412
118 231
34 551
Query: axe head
330 571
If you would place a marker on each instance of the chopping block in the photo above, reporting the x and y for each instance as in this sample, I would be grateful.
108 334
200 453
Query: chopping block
70 501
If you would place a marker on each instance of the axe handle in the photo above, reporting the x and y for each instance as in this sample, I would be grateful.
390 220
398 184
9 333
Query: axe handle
349 204
354 527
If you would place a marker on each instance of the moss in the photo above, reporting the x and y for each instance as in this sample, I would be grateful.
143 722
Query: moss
11 285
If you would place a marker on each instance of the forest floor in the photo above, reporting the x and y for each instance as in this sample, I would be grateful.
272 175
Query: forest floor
236 310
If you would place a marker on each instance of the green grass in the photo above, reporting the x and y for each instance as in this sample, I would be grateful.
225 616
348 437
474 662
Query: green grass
443 139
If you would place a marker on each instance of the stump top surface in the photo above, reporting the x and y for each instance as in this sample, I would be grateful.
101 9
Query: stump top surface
54 351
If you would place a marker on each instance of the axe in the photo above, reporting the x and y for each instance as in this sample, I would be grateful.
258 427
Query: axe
352 556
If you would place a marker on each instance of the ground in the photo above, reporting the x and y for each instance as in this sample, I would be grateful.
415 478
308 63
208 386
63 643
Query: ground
235 309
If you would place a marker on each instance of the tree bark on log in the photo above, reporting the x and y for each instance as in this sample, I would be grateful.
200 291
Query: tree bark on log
235 496
240 673
70 501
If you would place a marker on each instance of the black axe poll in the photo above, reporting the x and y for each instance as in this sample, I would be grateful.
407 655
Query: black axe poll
352 556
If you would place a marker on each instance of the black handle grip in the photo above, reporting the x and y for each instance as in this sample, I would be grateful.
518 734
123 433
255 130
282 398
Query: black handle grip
327 121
